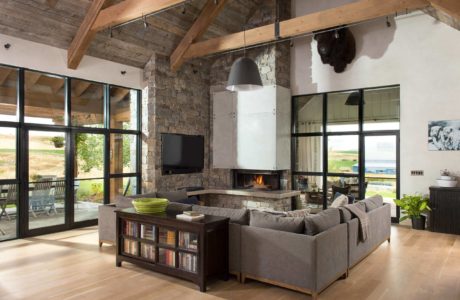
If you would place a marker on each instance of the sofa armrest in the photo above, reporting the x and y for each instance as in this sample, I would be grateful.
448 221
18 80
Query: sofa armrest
107 223
332 255
278 256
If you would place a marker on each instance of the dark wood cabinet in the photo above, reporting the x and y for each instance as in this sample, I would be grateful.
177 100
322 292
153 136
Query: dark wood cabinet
445 210
192 251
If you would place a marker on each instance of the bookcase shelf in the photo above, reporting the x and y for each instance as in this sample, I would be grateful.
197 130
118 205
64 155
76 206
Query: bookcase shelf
160 242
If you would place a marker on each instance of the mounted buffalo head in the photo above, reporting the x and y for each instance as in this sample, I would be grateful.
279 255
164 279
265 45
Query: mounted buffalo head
336 48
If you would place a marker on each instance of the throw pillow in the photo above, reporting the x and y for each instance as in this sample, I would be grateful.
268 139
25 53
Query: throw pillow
298 213
177 208
174 196
238 216
266 220
339 201
361 205
193 200
373 202
322 221
345 215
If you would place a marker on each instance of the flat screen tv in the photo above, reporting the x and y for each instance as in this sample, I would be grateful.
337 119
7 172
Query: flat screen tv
182 153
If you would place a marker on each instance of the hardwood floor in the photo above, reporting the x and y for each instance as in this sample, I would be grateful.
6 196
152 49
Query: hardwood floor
70 265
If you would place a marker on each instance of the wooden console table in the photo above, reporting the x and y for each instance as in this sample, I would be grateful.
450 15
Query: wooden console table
189 250
445 210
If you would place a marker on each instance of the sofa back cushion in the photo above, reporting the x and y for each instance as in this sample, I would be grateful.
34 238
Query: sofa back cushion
238 216
345 215
373 202
177 208
174 196
322 221
280 223
123 202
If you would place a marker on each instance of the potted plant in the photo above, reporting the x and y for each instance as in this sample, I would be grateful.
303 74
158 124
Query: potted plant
412 207
58 141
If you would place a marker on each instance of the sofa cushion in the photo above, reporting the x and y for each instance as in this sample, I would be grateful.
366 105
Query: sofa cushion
298 213
239 216
345 215
177 208
147 195
123 202
174 196
340 200
322 221
266 220
373 202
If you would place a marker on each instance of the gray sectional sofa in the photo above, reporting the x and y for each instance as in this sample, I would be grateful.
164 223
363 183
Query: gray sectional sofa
306 254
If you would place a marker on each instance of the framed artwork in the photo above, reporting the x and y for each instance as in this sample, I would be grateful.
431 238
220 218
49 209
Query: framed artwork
444 135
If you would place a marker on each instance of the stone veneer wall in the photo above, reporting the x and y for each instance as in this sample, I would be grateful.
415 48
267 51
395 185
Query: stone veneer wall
179 102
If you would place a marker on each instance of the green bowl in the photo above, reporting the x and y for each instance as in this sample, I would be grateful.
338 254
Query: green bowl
150 205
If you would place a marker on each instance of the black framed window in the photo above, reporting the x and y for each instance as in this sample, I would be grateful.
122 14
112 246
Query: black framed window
67 143
346 141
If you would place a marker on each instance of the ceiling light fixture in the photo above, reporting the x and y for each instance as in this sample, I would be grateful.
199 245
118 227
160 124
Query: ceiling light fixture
353 99
244 74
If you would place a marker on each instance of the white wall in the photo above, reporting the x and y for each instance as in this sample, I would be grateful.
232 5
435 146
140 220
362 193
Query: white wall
45 58
417 52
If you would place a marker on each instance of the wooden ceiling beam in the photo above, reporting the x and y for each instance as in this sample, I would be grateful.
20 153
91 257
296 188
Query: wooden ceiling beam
449 7
129 10
84 35
346 14
31 78
81 87
199 27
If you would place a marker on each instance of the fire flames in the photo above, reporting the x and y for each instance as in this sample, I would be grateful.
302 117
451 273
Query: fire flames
259 180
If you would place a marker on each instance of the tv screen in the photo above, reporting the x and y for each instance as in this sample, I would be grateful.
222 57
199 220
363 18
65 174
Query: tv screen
182 153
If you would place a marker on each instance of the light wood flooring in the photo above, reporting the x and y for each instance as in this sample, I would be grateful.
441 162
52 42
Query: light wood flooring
70 265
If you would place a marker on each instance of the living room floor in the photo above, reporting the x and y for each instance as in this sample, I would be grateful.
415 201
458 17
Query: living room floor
70 265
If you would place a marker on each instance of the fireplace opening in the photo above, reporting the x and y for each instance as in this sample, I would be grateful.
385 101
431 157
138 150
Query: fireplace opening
256 179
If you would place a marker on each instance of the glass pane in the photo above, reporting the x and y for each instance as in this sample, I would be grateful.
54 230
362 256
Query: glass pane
344 185
309 113
123 108
309 154
126 186
188 262
8 94
46 202
166 236
343 154
123 153
89 153
7 153
46 155
380 167
89 195
342 111
381 109
8 211
44 99
87 101
167 257
311 188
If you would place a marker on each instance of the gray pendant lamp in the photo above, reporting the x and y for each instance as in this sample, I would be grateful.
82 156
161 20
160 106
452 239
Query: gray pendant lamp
353 99
244 74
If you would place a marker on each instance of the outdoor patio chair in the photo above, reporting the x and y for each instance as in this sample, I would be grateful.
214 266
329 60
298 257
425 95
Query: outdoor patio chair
39 198
11 198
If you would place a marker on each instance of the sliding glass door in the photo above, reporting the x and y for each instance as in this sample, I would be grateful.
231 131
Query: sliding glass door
67 146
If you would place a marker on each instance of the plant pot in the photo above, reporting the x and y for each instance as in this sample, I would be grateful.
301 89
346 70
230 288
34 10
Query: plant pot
419 223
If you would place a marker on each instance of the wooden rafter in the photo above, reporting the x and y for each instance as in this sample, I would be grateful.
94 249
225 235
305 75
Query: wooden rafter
84 35
81 87
346 14
31 78
4 74
57 85
449 7
199 27
129 10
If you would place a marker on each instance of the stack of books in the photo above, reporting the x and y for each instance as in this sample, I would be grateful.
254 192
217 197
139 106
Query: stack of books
148 251
188 240
130 247
190 216
167 237
188 262
167 257
130 229
148 232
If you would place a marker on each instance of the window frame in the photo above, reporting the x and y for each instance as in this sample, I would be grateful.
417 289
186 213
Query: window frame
361 133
